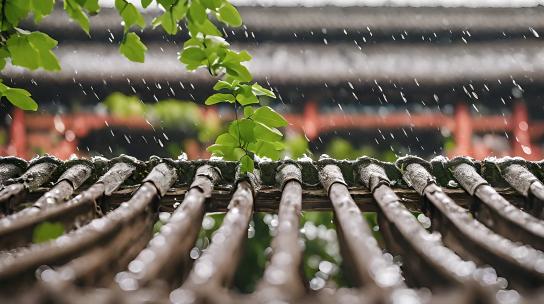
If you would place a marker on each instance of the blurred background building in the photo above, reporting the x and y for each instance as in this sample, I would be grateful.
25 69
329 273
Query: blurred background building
382 78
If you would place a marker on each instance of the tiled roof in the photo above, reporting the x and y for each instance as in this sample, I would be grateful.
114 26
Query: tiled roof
391 3
316 45
313 64
391 20
485 243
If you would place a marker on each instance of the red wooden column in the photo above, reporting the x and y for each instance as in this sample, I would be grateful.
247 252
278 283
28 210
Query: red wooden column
463 130
520 128
17 143
311 123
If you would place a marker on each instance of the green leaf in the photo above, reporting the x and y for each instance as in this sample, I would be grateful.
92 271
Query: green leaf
120 5
266 149
206 28
226 151
229 14
248 111
14 12
179 10
168 23
193 42
243 129
41 8
197 13
215 42
173 14
226 139
43 44
266 133
20 98
73 9
222 85
259 90
238 71
47 231
267 116
236 58
146 3
130 14
3 88
246 97
193 56
219 150
166 3
211 4
218 98
133 48
92 6
22 52
246 164
4 53
33 51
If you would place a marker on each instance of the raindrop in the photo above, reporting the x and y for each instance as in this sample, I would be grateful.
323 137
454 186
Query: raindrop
317 283
424 220
195 253
250 232
535 33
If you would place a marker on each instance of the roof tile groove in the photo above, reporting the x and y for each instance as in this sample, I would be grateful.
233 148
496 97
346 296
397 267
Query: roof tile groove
409 237
282 280
370 265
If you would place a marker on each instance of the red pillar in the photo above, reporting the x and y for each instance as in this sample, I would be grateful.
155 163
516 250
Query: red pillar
192 149
463 130
17 145
311 124
522 140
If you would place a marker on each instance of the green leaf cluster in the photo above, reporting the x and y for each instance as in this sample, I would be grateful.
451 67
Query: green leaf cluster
213 53
174 12
33 50
41 8
131 46
198 21
254 134
235 91
14 11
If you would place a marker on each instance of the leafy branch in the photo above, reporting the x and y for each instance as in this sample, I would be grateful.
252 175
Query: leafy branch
255 133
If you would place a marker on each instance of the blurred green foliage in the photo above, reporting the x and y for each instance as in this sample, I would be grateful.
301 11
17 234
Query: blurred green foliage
3 137
321 248
340 148
255 256
124 106
296 146
449 144
187 116
322 263
47 231
171 113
